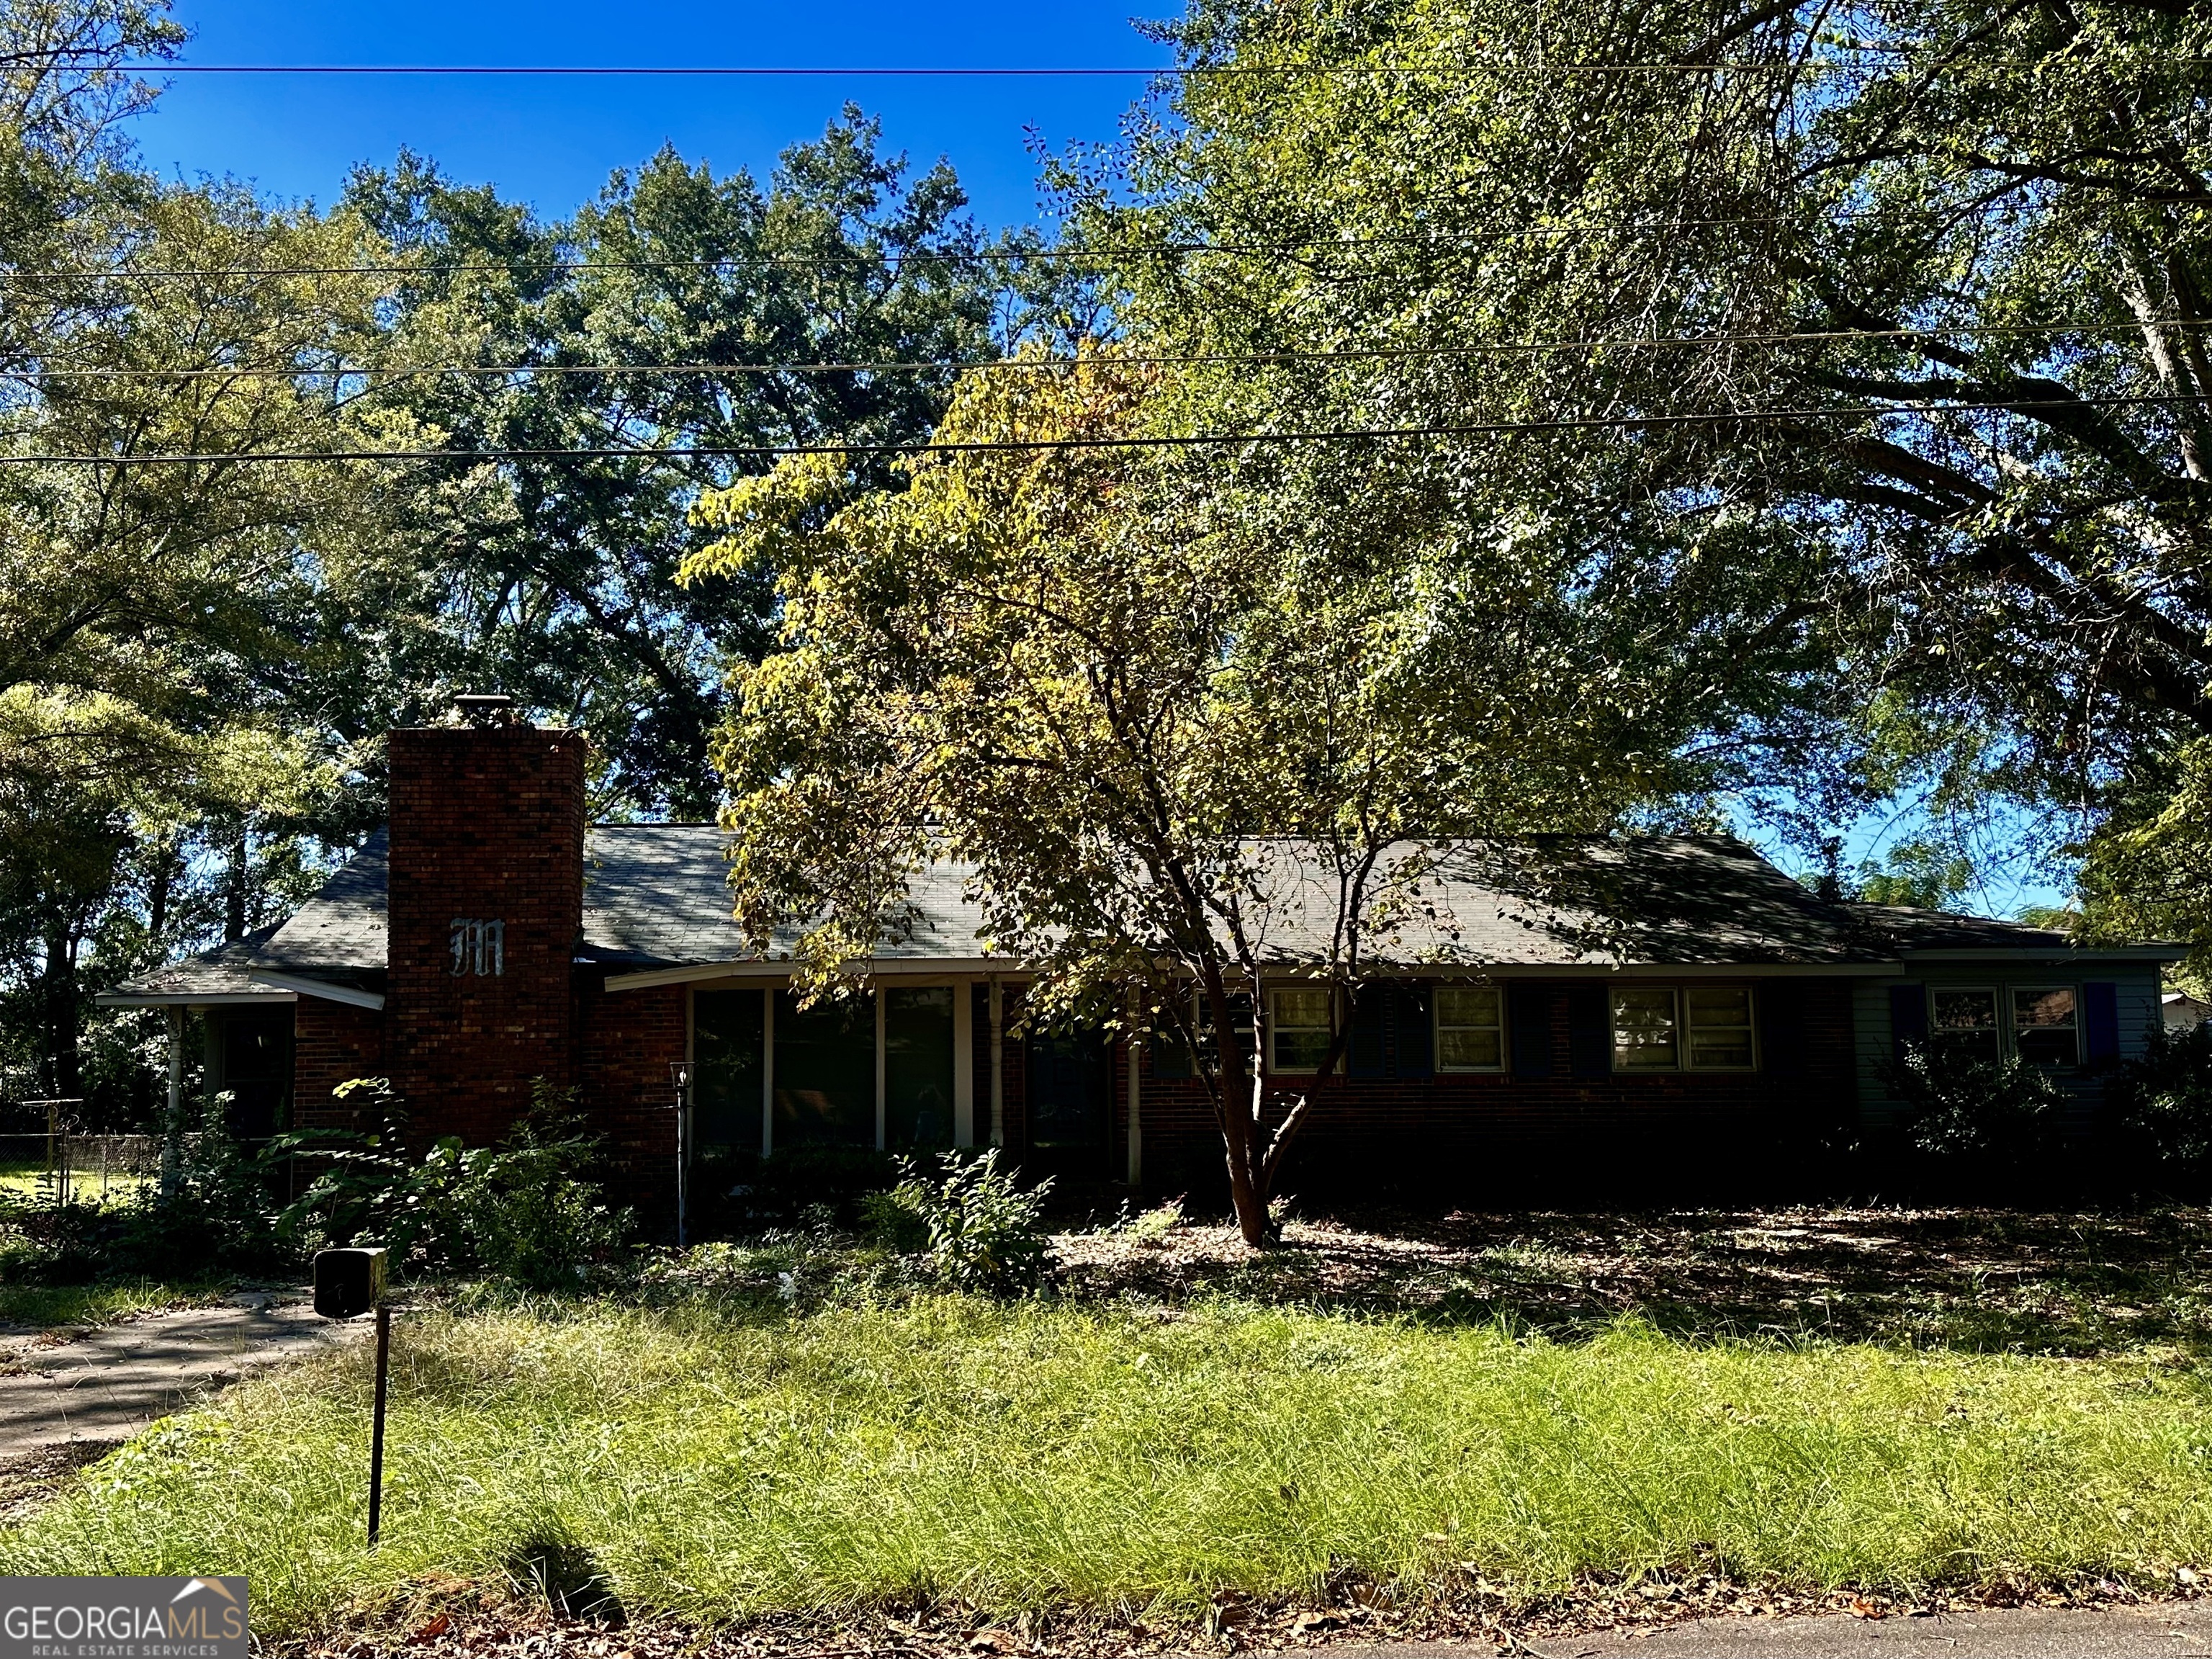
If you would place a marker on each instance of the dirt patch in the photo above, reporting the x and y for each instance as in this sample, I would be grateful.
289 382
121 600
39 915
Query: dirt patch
1989 1280
451 1617
29 1482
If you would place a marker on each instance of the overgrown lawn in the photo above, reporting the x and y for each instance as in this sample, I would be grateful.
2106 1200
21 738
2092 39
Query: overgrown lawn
716 1462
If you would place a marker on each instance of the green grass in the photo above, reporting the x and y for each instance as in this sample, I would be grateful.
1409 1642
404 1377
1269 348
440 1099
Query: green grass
47 1305
717 1464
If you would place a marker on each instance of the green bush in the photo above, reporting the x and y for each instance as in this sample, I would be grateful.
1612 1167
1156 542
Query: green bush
215 1213
984 1232
368 1185
817 1186
2161 1106
1975 1113
523 1211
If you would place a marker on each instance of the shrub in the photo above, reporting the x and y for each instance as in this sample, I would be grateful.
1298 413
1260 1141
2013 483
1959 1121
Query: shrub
799 1184
983 1231
524 1209
1971 1112
521 1210
216 1213
2161 1106
367 1185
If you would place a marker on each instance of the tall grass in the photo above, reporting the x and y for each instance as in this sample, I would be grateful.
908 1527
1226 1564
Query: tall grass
716 1466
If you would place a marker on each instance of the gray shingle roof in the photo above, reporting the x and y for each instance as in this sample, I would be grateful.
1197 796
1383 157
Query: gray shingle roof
654 898
220 975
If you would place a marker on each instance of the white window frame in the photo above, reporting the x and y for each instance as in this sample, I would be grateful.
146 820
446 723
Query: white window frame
1612 1029
1681 1024
1275 1067
2000 1006
1436 1031
1750 1028
2013 1027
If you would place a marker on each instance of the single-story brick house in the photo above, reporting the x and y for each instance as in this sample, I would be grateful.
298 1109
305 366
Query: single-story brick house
1721 1017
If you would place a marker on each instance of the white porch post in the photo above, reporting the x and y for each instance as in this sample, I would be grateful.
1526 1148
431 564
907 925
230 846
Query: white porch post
173 1132
963 1063
997 1063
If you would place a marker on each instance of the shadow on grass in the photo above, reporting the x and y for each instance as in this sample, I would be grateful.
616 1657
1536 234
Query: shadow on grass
1977 1279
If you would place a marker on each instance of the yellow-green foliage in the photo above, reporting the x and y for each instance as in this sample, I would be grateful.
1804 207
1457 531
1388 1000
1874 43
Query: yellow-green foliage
717 1466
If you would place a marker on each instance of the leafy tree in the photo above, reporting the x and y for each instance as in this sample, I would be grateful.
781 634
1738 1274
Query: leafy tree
554 576
1922 873
1096 673
1877 343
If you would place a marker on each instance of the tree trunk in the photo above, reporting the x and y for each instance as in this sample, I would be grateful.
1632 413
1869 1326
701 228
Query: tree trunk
64 1066
234 896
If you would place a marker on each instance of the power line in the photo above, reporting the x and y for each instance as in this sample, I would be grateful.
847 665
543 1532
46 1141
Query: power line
1038 365
915 256
777 452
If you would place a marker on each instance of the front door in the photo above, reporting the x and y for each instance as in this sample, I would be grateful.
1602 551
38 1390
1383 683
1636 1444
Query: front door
1070 1081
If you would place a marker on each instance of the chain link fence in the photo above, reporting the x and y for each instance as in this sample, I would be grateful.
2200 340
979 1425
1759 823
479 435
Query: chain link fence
64 1164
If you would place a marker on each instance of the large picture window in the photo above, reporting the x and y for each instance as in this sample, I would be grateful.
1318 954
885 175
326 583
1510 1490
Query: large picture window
1470 1028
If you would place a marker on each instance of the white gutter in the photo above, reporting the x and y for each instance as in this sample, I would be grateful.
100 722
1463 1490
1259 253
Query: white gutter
316 988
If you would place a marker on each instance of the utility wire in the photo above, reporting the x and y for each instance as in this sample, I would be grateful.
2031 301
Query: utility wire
1036 365
714 451
919 255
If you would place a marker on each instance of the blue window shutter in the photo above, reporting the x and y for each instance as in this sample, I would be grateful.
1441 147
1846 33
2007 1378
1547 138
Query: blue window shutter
1590 1031
1370 1024
1908 1018
1416 1047
1780 1007
1528 1011
2100 1023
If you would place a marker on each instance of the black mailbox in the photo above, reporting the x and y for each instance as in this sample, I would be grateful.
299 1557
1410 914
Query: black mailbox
348 1283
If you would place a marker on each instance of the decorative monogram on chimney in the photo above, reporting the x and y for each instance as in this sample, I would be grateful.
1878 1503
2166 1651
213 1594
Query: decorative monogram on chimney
479 946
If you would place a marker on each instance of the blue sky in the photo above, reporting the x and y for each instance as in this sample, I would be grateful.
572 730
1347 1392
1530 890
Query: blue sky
552 142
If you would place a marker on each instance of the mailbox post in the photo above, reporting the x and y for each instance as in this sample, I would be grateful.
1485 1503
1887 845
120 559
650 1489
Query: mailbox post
679 1076
348 1283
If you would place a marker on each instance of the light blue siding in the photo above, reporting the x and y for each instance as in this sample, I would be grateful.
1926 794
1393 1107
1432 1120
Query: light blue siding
2138 984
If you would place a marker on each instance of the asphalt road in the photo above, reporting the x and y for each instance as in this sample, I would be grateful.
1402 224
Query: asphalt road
2169 1630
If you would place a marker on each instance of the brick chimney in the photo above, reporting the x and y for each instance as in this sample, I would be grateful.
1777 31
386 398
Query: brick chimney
487 905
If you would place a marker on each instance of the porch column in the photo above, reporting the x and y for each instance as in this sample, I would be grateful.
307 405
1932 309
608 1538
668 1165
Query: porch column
173 1131
997 1063
963 1063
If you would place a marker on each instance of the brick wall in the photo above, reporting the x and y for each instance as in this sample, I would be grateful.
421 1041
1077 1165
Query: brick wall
332 1043
625 1042
1476 1137
487 828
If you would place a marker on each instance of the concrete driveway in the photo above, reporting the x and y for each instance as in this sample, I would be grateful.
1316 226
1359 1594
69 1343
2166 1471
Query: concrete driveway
108 1383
